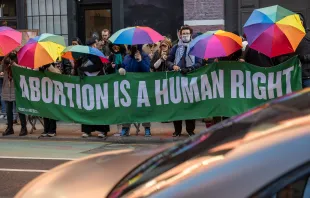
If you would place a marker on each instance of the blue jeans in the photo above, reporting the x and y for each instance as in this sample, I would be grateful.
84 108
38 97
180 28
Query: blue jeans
305 83
3 108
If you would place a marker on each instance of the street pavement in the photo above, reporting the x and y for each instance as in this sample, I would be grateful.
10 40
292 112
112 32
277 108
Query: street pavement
161 133
23 160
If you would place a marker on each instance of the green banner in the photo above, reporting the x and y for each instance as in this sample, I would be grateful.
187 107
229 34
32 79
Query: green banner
219 89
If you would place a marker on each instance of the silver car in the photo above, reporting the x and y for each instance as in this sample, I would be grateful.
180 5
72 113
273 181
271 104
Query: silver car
262 153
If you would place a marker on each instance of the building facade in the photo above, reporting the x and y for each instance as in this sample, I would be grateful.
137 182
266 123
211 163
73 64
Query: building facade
83 18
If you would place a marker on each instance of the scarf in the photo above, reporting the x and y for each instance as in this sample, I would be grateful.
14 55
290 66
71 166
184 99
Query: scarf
190 60
118 59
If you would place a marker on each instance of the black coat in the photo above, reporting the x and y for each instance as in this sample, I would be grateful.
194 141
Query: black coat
303 51
163 66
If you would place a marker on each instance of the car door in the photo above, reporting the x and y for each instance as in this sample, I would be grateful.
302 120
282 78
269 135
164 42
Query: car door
294 184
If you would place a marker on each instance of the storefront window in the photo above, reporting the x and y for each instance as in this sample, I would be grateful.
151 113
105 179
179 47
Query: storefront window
8 13
48 16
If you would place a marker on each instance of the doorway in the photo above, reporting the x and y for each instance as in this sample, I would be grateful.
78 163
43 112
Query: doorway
93 19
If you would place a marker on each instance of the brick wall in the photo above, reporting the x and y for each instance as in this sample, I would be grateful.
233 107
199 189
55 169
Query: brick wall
207 10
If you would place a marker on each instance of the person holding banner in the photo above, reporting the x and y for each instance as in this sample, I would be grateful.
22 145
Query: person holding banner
303 52
50 125
159 60
180 60
8 95
92 66
136 61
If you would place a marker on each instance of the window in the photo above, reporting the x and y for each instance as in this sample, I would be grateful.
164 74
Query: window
48 16
295 184
298 189
8 13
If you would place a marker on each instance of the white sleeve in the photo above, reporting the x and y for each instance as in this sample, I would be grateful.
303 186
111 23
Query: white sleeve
158 63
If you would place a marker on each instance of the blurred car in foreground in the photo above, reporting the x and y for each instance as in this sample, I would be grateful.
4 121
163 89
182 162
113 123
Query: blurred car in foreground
262 153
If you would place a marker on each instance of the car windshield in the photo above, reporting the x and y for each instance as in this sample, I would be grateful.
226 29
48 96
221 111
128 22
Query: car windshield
219 139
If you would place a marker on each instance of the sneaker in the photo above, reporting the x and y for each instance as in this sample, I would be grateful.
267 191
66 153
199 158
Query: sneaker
191 133
4 117
175 134
44 134
102 135
1 116
148 132
52 134
125 132
85 135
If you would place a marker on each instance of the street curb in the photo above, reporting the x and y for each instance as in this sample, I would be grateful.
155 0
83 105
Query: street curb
110 139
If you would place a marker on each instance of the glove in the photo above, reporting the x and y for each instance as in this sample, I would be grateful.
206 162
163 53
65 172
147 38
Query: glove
186 70
122 71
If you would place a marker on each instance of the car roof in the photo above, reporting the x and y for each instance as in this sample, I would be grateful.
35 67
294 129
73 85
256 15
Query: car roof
291 106
248 167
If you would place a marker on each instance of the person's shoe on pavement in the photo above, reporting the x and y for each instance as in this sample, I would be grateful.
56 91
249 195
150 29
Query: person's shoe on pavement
191 133
23 132
1 116
85 135
102 135
44 134
175 134
8 131
51 134
125 132
147 132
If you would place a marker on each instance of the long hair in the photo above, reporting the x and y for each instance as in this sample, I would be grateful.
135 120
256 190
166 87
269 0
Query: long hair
77 40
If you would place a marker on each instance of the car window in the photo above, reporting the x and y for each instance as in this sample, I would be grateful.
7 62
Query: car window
295 184
297 189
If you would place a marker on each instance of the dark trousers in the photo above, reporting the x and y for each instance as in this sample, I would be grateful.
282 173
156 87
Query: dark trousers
92 128
49 125
9 114
190 126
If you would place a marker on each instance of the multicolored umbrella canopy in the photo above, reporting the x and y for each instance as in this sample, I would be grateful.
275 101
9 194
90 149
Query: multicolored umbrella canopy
274 31
215 44
41 50
10 39
77 51
136 36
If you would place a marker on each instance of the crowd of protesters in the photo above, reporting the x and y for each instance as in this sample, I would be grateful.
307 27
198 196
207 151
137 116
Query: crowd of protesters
159 57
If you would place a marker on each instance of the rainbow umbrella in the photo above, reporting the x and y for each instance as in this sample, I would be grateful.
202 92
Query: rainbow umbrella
136 36
274 31
77 51
10 39
41 50
215 44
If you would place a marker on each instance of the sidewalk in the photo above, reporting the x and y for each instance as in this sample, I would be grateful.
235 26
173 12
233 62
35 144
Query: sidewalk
161 133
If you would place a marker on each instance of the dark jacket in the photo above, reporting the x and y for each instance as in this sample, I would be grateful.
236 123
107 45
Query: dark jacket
130 64
106 48
112 59
97 65
256 58
163 66
66 67
182 63
303 51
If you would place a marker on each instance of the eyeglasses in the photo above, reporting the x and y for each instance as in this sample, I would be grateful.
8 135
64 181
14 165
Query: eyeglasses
163 46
